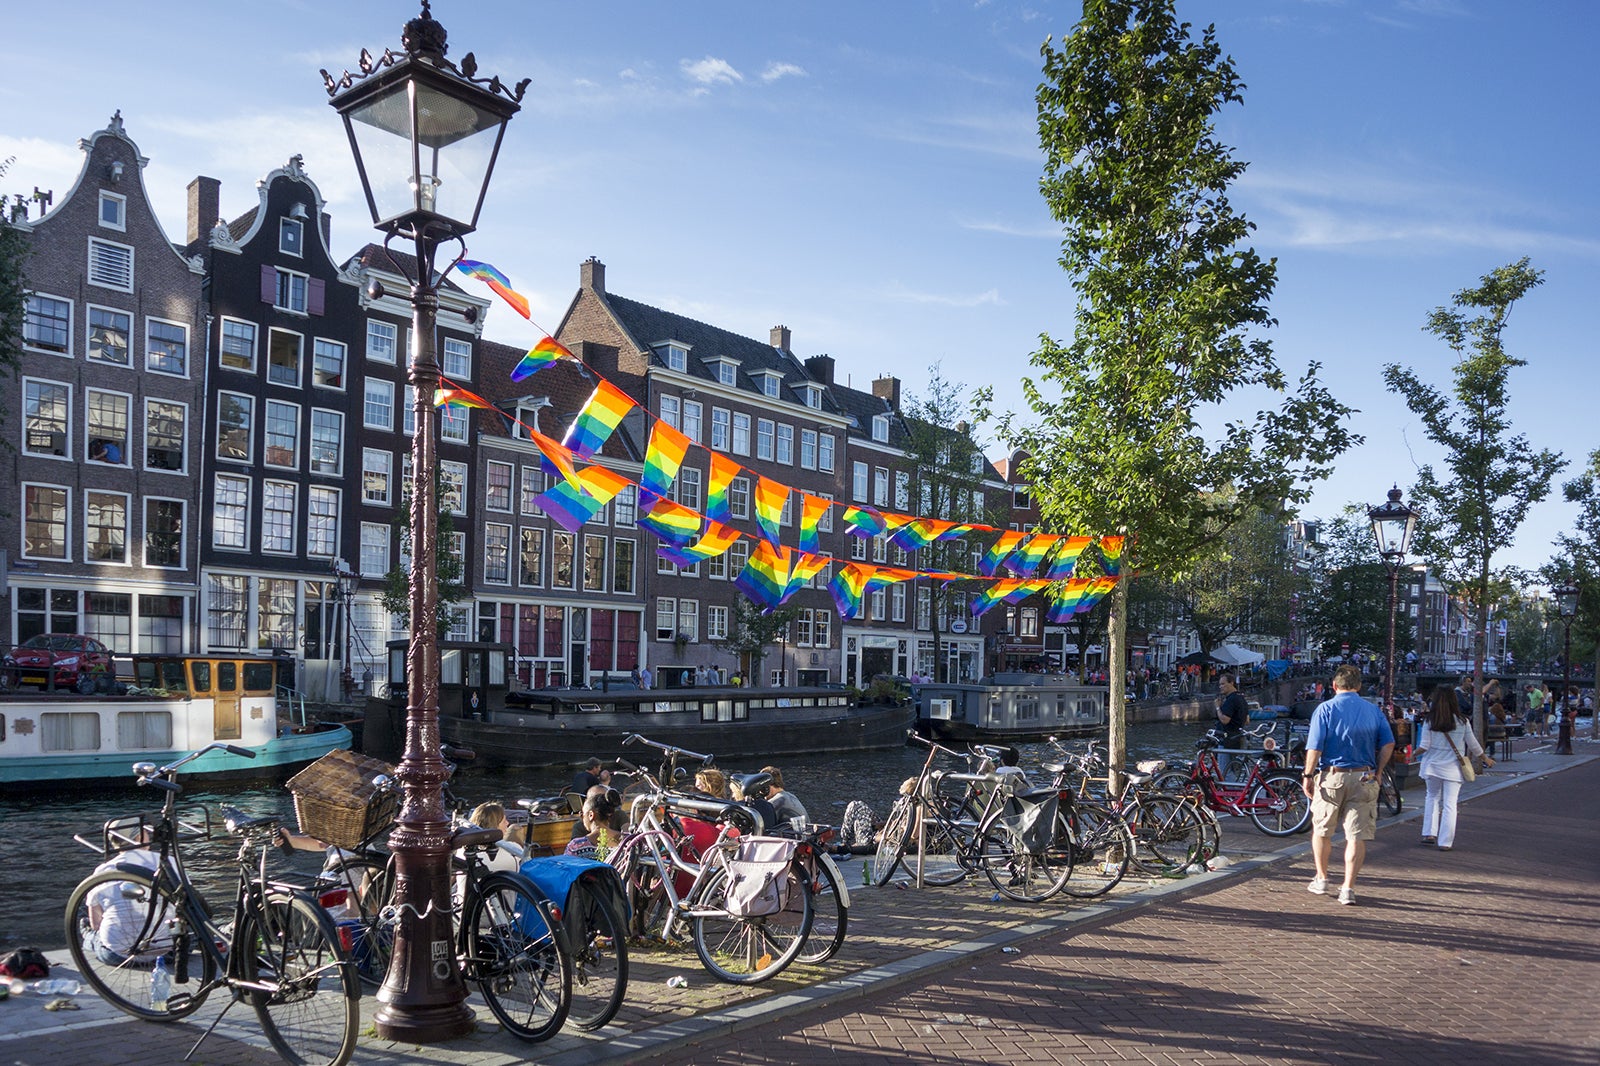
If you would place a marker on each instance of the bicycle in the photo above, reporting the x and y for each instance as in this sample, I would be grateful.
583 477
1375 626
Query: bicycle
1273 798
148 942
736 941
942 836
1170 831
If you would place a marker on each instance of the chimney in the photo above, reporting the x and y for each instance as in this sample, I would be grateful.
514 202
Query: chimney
887 389
820 367
205 206
780 338
592 275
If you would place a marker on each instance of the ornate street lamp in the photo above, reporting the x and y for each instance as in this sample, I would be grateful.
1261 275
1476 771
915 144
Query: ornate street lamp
1567 608
1392 526
425 133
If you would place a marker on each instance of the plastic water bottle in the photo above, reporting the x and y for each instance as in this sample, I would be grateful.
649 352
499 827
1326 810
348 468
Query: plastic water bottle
160 985
54 986
866 872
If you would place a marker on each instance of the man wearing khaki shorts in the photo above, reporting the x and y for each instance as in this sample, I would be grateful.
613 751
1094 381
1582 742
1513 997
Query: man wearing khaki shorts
1349 745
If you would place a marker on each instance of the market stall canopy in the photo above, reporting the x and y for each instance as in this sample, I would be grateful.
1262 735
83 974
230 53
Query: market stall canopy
1234 655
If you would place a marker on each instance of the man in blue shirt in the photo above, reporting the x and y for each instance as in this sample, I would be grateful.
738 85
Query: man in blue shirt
1349 745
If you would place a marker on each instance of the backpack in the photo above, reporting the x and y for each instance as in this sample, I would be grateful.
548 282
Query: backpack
26 963
758 877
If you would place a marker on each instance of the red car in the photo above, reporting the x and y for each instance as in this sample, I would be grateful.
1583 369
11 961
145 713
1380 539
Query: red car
78 662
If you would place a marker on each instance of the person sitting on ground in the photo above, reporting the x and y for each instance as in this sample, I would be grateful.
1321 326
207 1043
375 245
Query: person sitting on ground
598 836
591 775
711 782
783 801
120 916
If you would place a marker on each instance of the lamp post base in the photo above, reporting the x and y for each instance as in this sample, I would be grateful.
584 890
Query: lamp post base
427 1025
1564 737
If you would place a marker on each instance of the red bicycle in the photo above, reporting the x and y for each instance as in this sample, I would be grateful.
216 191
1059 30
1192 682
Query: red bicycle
1269 794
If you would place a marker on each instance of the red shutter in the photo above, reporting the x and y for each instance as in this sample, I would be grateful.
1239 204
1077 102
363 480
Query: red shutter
316 295
269 285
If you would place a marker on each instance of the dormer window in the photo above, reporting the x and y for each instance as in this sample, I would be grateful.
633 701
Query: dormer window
291 236
770 384
880 428
727 372
676 356
813 396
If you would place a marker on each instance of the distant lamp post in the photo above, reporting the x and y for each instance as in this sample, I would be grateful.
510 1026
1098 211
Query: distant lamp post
425 133
1567 608
345 588
1392 525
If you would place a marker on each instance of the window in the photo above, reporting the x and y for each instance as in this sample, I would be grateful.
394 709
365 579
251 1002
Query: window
161 625
858 483
44 522
47 324
138 730
107 415
110 265
858 548
813 396
453 487
277 517
108 336
409 414
530 558
770 384
163 533
283 357
677 358
532 486
686 487
626 505
820 637
327 364
738 555
671 411
786 445
1028 623
727 373
765 434
377 405
739 497
230 518
290 293
238 350
902 490
453 422
880 428
225 623
1021 498
594 563
377 476
666 617
720 429
825 453
113 211
322 521
69 731
880 548
880 487
802 627
876 604
808 449
282 429
497 487
693 414
275 613
622 564
563 568
291 236
497 553
924 607
374 549
689 620
897 602
46 408
741 434
166 347
457 359
717 567
327 441
381 338
716 623
825 523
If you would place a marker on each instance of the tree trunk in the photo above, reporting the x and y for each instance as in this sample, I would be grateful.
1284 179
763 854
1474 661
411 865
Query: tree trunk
1116 698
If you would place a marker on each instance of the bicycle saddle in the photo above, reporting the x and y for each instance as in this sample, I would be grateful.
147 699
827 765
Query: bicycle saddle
751 785
1053 767
238 822
473 836
1138 777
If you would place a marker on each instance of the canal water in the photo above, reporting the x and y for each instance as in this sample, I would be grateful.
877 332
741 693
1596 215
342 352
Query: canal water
41 862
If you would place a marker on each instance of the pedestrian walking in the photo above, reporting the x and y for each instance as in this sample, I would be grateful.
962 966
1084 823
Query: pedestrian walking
1446 739
1348 746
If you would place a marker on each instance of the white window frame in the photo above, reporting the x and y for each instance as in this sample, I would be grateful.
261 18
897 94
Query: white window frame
455 359
267 407
314 440
120 223
721 428
676 357
716 622
740 440
727 373
452 471
299 358
217 527
127 525
223 354
286 490
89 310
149 365
808 449
183 436
375 355
454 423
284 289
766 438
298 228
825 452
693 420
317 344
771 384
89 434
672 411
374 547
65 525
510 472
860 482
785 448
880 428
378 461
619 568
322 545
385 401
66 420
65 351
183 533
489 531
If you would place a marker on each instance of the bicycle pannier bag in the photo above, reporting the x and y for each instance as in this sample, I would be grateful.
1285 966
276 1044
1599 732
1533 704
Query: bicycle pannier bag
758 877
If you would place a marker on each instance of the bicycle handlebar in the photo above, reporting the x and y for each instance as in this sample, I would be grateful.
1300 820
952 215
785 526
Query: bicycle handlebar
667 749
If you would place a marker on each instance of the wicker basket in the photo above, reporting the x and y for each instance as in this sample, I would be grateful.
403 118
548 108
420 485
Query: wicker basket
335 800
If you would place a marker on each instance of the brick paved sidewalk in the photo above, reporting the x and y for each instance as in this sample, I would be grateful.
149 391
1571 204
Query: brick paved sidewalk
1487 953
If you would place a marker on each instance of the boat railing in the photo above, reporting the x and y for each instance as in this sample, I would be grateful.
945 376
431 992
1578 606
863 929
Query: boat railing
293 701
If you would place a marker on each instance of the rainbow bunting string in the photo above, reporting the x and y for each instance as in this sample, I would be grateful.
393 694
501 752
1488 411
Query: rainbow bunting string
496 281
541 355
663 458
453 395
1065 560
920 532
1064 603
770 498
849 587
668 519
812 508
570 506
765 577
998 551
601 414
863 521
723 471
1025 561
716 539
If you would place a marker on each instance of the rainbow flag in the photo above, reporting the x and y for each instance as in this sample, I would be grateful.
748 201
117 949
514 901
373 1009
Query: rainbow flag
1025 561
770 498
812 508
663 458
453 395
668 519
1111 549
716 539
765 577
723 471
1098 587
998 551
554 457
1064 603
863 521
496 281
919 533
806 567
1065 559
849 587
601 414
570 507
540 356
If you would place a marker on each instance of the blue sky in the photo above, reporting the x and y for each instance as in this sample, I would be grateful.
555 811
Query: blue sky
867 173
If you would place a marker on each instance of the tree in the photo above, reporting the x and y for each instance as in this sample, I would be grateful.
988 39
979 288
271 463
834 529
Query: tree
1579 563
449 564
1491 476
13 293
1241 583
751 632
1347 601
1169 303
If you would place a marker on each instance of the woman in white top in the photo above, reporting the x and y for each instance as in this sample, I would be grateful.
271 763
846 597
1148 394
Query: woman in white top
1445 736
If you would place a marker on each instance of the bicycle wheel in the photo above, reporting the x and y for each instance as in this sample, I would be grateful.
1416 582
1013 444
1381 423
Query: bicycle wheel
599 962
146 926
1102 849
1389 795
310 1009
1279 806
746 951
647 900
1016 868
1167 833
514 958
939 857
369 942
1171 781
830 901
892 841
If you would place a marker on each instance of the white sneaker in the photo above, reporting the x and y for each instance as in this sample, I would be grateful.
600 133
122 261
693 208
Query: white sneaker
1347 896
1318 886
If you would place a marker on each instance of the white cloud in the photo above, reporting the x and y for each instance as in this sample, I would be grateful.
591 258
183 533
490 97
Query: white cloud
710 71
898 293
1010 229
776 70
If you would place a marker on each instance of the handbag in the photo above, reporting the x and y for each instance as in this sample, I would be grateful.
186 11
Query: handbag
1468 771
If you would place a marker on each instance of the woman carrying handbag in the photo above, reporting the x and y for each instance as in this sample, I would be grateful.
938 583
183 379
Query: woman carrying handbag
1448 747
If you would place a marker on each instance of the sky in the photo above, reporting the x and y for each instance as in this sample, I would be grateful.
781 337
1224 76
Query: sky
867 173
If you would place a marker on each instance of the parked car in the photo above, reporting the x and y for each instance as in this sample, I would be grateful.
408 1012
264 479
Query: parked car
77 662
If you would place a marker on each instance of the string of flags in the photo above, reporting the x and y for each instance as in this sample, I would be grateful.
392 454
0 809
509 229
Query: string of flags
1018 564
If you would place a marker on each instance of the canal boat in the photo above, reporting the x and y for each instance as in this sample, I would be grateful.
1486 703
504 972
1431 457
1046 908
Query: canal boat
1010 706
503 726
175 704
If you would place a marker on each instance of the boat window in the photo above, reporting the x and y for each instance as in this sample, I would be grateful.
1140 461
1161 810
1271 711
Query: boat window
258 677
450 667
497 669
475 670
69 731
201 672
708 711
227 677
144 729
1027 708
173 677
741 712
2 728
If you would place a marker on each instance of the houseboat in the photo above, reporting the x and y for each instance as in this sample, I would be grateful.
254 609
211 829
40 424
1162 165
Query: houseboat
175 704
559 726
1010 706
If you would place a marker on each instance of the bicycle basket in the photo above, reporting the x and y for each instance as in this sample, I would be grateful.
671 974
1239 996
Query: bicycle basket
336 801
130 831
758 876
